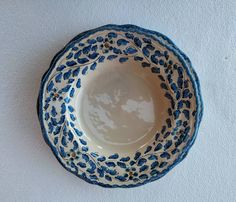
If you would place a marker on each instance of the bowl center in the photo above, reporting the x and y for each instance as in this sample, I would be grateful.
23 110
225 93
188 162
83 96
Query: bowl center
121 108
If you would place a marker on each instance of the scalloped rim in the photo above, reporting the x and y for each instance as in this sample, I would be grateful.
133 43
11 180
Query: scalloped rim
182 57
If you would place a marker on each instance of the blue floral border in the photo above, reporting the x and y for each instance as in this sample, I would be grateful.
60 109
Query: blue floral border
176 51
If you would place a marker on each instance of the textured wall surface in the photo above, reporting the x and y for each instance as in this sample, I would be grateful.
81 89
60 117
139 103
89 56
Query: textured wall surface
31 32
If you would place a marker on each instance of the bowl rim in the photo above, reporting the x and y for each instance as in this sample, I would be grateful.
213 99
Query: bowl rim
181 56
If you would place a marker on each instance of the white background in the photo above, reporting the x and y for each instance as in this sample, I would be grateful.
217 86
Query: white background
31 32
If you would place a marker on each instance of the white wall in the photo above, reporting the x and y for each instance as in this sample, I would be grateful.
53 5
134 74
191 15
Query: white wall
31 32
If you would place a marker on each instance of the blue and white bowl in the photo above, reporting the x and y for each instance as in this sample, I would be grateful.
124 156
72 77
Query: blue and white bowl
120 106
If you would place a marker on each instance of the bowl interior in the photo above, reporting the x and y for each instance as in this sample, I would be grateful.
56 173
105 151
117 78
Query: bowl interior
120 107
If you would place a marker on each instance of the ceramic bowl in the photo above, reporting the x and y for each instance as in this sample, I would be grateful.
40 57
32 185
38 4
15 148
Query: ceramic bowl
120 106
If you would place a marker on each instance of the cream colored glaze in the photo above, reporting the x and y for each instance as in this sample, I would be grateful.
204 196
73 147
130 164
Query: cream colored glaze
120 107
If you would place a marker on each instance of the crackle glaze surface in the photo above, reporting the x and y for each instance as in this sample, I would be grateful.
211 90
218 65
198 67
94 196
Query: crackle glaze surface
120 106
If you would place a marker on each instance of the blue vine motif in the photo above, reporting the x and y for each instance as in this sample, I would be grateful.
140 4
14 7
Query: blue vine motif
82 56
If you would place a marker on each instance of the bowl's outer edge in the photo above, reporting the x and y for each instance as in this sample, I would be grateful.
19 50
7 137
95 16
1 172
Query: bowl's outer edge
174 49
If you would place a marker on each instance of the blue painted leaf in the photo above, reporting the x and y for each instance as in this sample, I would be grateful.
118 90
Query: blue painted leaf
121 60
92 165
60 68
125 159
92 41
114 156
164 86
100 39
46 116
168 144
50 86
145 40
116 50
158 147
107 177
155 70
150 47
93 66
101 159
76 72
58 78
85 157
137 155
71 109
143 177
70 136
143 168
72 91
165 155
66 75
82 165
120 178
69 56
71 80
93 154
146 52
162 164
86 49
168 122
71 63
63 141
93 55
93 177
72 117
121 42
122 165
186 113
79 133
62 152
154 164
131 50
111 57
94 48
61 120
138 42
75 48
65 89
137 58
110 164
83 142
154 172
101 172
82 60
54 121
63 108
129 35
78 84
111 172
77 54
161 77
148 149
101 58
173 87
91 171
55 141
152 157
154 59
84 149
75 144
53 111
141 161
112 35
57 130
145 64
85 69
